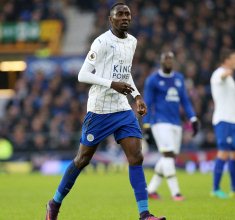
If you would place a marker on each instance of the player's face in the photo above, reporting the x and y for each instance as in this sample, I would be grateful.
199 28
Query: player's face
121 18
167 63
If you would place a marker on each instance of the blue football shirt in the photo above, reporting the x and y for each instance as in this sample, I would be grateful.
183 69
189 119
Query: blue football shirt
164 94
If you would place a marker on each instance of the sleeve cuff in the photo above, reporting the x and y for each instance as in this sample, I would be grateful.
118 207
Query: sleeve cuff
107 83
193 119
135 93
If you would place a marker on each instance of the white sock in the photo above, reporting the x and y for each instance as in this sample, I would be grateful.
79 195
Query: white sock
156 179
169 171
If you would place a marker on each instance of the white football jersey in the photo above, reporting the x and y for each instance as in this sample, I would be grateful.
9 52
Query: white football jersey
223 93
112 59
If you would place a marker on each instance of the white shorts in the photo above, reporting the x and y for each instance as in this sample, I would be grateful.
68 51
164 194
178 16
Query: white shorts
167 136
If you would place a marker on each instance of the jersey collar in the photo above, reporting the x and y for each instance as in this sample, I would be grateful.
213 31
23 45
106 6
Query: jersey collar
161 73
117 38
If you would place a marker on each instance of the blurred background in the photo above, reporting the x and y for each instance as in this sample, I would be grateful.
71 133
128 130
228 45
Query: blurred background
43 44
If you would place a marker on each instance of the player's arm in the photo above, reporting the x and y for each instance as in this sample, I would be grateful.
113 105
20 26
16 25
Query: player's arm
141 106
86 76
148 98
188 107
227 72
135 91
94 56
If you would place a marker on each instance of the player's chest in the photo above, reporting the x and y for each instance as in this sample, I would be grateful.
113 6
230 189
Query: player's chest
163 85
119 53
229 83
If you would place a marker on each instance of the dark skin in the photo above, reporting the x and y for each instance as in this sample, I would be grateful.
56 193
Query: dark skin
167 63
120 18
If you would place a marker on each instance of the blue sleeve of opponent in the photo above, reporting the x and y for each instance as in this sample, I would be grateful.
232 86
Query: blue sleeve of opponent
186 103
148 98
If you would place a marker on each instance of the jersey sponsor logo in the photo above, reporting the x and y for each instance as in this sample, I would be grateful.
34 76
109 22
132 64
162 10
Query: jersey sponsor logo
92 55
90 137
121 68
172 95
121 71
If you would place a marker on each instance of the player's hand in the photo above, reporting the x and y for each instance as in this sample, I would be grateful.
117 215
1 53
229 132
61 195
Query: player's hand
195 126
122 87
141 107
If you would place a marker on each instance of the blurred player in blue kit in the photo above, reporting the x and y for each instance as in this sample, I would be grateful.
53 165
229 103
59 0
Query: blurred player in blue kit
223 94
164 93
107 68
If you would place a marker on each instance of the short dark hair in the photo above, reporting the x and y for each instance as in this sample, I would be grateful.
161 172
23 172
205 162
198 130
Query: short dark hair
167 54
225 54
114 6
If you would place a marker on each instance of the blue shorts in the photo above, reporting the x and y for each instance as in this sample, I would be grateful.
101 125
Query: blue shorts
225 136
96 127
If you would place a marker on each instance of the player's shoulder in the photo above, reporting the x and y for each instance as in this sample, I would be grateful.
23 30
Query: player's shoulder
101 38
179 75
132 41
152 77
100 42
216 75
219 70
131 37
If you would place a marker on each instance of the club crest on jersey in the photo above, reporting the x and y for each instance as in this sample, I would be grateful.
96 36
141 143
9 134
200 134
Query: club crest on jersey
121 61
178 83
229 140
90 137
92 55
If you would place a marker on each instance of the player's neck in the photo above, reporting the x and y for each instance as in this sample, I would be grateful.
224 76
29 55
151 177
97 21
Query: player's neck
163 74
119 34
226 66
166 71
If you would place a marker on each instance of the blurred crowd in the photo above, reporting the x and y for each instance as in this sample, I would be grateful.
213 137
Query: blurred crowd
31 10
47 114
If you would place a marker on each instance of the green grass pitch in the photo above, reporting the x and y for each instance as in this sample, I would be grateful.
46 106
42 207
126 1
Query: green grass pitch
108 196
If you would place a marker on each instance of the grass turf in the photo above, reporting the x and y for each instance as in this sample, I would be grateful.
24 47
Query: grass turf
108 196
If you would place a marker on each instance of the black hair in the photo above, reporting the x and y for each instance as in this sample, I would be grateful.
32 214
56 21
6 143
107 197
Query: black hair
166 54
225 54
114 6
